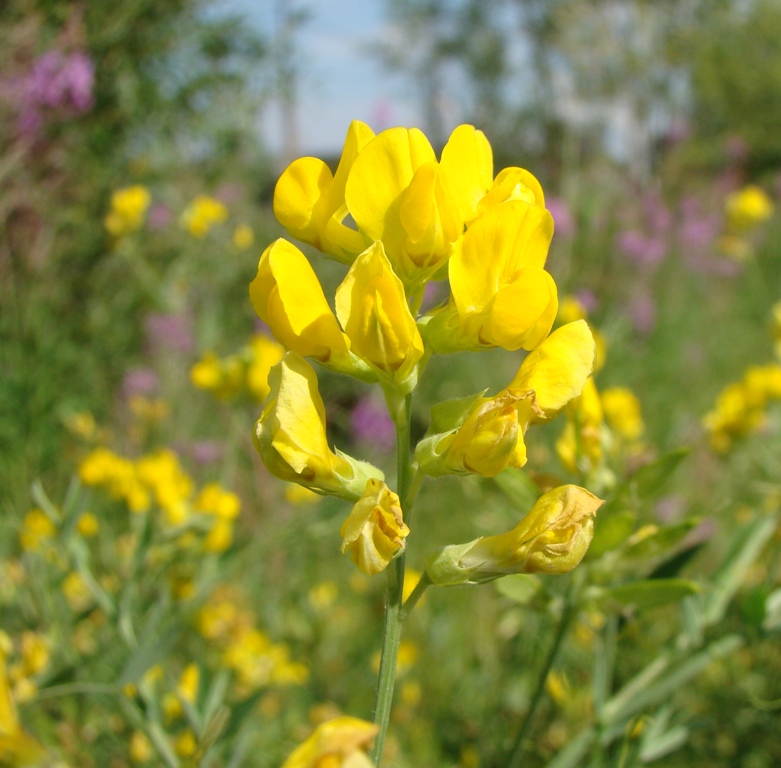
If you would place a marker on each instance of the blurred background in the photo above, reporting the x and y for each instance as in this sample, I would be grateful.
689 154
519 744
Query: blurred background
140 142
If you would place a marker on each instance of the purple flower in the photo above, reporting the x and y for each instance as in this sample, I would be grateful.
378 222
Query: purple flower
372 425
562 216
159 216
207 451
640 247
588 299
642 310
140 381
169 332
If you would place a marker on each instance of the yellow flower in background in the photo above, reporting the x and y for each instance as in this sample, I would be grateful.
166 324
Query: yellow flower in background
128 210
623 413
87 525
202 214
300 496
215 500
264 354
558 687
37 528
372 308
375 530
507 300
243 237
776 327
552 538
186 744
323 595
162 473
103 468
747 208
17 748
309 201
77 593
140 748
35 653
581 441
290 435
338 743
287 296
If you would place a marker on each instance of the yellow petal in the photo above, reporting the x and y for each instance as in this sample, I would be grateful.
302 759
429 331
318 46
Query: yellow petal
513 184
508 237
558 368
342 739
467 165
377 179
287 295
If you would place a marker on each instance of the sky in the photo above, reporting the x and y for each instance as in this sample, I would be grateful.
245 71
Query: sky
340 79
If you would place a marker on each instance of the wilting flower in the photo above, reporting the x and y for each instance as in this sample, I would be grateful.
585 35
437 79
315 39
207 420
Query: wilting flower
338 743
309 200
552 538
487 436
375 530
290 435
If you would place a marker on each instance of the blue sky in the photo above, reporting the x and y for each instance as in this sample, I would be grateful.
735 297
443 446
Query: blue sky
340 79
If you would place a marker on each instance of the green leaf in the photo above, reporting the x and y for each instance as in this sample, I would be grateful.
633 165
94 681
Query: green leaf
662 542
650 480
521 588
450 415
645 594
611 531
518 487
741 556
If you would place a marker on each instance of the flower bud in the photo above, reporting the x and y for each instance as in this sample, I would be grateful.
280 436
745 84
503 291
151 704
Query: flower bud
290 435
374 531
552 538
337 743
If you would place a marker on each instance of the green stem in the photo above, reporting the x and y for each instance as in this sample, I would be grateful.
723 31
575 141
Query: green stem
393 619
568 613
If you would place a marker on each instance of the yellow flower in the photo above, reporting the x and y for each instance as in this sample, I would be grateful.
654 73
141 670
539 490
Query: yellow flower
300 496
202 214
265 353
243 237
374 531
501 295
128 210
216 500
77 592
491 438
558 687
552 538
140 748
185 744
323 595
747 208
372 307
622 411
309 201
36 529
287 295
290 435
35 653
220 536
581 441
87 525
338 743
17 748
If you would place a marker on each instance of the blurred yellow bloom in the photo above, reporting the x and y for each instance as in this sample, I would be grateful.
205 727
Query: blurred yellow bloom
213 499
552 538
128 210
102 467
87 525
82 424
581 441
77 592
374 531
35 653
243 237
506 301
140 749
220 536
202 214
17 748
300 496
290 435
185 744
162 473
776 327
571 309
405 659
264 354
37 528
747 208
309 201
622 411
372 308
558 687
338 743
411 579
323 595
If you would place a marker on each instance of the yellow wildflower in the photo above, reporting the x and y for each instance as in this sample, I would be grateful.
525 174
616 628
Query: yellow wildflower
338 743
140 749
323 595
185 744
552 538
581 442
35 653
87 525
37 528
300 496
202 214
374 531
128 210
243 237
17 748
77 592
622 411
747 208
265 353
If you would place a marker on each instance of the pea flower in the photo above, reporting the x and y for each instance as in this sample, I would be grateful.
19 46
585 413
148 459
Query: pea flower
507 300
309 201
338 743
290 435
552 538
375 530
372 307
487 435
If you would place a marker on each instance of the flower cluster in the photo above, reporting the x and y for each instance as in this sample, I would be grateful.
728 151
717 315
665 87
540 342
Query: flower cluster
740 407
158 478
128 210
417 219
